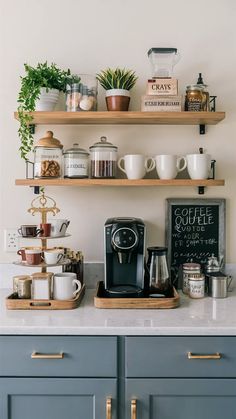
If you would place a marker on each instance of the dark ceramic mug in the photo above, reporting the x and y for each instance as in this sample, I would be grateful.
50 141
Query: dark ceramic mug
29 231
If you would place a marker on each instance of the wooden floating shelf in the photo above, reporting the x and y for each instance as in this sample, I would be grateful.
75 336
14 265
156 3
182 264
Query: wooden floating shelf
126 118
119 182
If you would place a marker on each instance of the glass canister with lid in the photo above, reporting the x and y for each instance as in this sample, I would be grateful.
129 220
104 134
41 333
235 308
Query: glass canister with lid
76 162
48 157
189 268
194 98
103 156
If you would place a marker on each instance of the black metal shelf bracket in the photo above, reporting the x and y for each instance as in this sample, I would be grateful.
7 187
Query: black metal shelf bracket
201 189
30 165
32 128
36 189
202 129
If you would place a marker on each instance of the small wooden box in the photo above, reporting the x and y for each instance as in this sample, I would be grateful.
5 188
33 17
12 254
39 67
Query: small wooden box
162 87
161 103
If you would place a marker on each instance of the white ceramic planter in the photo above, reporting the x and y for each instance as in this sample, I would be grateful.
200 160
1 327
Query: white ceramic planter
47 100
117 92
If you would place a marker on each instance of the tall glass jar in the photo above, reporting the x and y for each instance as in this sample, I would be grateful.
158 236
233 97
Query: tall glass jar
82 96
103 157
48 157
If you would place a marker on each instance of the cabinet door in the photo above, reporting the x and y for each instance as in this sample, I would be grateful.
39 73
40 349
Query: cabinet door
57 398
181 398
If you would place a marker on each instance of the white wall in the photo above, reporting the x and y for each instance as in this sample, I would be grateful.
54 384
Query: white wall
88 36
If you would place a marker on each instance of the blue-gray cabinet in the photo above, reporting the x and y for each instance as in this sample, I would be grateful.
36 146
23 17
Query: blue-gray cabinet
58 377
109 377
57 398
180 377
181 398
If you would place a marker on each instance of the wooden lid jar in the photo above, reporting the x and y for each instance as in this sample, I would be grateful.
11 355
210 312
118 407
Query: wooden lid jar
48 157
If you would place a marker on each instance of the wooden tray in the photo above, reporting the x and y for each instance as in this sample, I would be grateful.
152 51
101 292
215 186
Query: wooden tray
14 303
101 301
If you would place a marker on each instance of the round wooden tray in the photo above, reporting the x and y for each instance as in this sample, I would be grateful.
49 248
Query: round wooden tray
42 265
45 238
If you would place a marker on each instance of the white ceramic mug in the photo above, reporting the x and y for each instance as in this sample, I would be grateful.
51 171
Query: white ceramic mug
168 165
65 286
136 165
58 227
53 256
199 165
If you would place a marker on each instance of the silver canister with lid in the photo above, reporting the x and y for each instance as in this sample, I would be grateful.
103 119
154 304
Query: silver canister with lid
189 268
103 156
76 162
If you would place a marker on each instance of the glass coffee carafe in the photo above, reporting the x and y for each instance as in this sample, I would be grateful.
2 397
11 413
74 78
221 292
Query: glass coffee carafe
163 61
159 282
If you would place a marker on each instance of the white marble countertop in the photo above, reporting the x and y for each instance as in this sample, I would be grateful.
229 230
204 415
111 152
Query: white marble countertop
194 317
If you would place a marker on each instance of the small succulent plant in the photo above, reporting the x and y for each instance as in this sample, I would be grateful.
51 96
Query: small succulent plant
120 78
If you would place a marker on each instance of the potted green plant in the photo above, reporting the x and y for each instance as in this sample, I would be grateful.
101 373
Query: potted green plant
117 83
39 91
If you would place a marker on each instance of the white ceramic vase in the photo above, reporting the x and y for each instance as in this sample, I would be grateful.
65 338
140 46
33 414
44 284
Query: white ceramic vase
47 100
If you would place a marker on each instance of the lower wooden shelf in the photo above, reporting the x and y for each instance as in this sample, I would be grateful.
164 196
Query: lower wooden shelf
119 182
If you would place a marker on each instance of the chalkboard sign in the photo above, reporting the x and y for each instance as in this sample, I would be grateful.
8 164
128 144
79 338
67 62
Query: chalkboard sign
195 229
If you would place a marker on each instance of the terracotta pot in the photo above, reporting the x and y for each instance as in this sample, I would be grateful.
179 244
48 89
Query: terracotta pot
117 100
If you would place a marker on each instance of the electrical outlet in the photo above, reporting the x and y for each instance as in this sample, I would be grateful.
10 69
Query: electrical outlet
11 240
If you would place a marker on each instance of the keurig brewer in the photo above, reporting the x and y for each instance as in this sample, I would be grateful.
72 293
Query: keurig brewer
124 257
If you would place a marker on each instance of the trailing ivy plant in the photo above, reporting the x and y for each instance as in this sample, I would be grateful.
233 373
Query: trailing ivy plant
120 78
43 75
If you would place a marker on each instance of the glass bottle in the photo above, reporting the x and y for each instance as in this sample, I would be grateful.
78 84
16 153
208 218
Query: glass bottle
205 93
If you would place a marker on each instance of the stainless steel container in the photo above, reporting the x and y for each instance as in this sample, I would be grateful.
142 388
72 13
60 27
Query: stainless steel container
218 285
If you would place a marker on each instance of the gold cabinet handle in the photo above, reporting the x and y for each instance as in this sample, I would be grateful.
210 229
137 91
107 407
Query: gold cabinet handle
217 355
108 408
133 409
38 355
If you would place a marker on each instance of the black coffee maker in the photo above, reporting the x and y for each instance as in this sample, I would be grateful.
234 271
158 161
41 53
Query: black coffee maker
124 257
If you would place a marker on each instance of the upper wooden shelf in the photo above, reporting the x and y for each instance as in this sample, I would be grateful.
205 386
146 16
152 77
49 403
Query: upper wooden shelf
119 182
127 118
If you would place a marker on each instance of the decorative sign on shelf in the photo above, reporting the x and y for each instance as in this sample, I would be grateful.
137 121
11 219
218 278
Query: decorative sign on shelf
195 229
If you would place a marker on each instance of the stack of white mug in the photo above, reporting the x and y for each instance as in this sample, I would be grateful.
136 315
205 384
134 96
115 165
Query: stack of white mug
135 166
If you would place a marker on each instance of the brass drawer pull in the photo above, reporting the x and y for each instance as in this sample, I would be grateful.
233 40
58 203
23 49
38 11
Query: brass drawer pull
38 355
108 408
133 409
217 355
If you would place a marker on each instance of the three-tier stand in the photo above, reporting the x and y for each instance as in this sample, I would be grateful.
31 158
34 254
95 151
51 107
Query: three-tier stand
44 205
43 209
